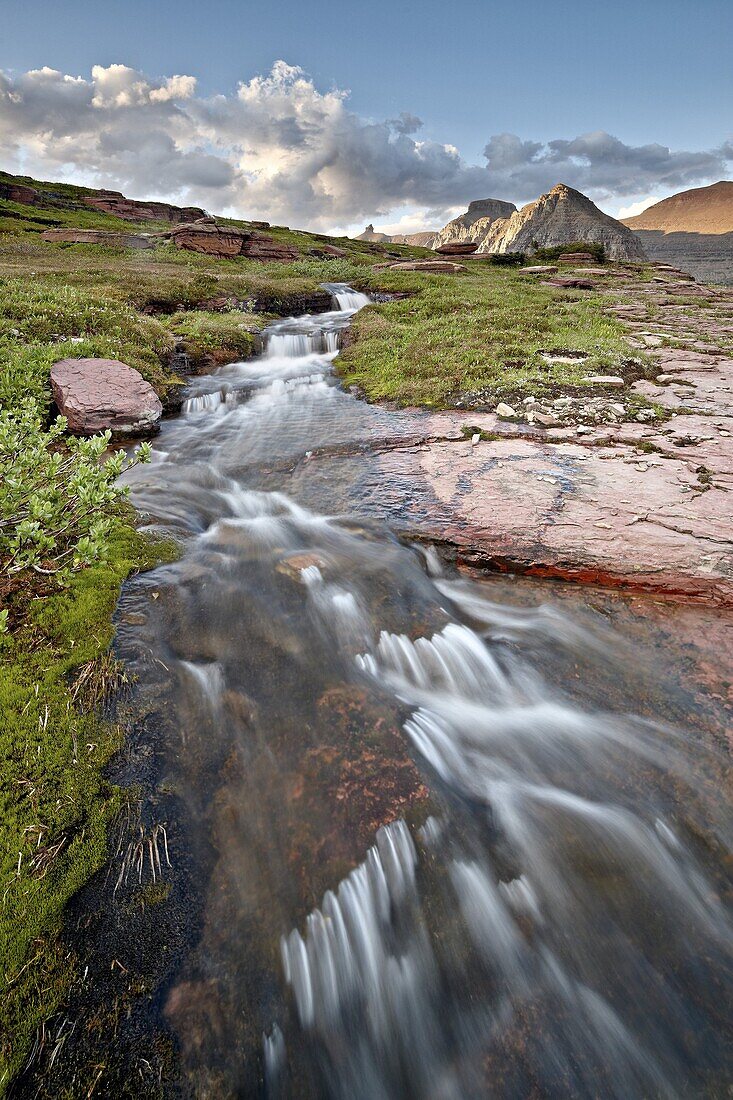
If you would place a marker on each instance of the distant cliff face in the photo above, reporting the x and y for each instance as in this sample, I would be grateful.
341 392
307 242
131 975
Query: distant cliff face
475 225
700 210
420 240
564 216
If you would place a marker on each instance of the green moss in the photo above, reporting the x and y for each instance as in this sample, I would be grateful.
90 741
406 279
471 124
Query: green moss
212 338
54 804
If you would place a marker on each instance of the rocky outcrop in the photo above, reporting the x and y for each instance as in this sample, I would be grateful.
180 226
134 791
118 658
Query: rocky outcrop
699 210
99 394
565 216
100 236
226 240
134 210
477 225
17 192
373 237
259 247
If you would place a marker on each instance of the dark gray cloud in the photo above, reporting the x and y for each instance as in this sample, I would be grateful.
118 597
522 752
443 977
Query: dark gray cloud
406 123
280 148
598 164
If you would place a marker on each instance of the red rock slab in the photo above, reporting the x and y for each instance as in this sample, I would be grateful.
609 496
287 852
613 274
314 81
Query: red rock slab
99 394
227 241
572 283
694 381
18 192
114 202
575 257
601 514
431 267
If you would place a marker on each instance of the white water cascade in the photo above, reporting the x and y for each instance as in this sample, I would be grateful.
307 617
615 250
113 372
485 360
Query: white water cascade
484 880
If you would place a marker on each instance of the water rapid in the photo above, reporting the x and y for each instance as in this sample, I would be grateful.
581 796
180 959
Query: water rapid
426 861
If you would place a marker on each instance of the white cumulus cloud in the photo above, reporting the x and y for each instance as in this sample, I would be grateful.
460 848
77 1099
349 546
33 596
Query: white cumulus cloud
639 207
280 148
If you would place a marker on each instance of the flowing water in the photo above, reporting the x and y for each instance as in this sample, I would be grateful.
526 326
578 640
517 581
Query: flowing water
422 859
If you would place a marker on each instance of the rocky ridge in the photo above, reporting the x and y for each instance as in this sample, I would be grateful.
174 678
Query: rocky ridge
135 210
699 210
694 229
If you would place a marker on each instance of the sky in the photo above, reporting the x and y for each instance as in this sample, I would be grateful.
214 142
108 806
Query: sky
328 116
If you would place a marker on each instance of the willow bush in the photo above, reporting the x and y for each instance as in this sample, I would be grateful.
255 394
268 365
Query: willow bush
57 503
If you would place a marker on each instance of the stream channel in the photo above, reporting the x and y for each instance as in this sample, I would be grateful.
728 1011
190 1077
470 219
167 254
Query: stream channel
414 834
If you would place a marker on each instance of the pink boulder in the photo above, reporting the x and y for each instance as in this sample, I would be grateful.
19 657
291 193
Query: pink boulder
97 394
457 248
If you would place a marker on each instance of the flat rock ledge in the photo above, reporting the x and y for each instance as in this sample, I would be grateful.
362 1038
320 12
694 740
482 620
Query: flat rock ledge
643 503
100 394
110 238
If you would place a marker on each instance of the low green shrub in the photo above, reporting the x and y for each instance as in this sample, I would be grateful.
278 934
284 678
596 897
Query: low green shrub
56 505
506 259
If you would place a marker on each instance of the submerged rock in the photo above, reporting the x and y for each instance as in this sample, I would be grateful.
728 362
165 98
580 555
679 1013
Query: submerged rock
99 394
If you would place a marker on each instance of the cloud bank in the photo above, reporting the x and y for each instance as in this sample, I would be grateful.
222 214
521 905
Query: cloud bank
281 149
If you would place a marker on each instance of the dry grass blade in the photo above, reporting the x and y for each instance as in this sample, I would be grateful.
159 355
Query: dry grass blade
143 850
97 681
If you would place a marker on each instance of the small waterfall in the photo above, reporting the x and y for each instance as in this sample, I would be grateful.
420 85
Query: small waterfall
345 298
204 403
349 956
455 661
293 345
